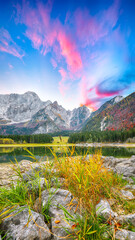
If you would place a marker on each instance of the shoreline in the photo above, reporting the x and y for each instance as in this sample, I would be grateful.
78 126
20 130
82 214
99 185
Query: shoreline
127 145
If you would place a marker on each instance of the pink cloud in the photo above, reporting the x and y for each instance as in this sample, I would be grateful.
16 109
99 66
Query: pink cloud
54 63
10 66
68 50
62 84
8 45
91 29
46 34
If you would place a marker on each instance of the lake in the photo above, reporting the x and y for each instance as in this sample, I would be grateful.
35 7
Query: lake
8 154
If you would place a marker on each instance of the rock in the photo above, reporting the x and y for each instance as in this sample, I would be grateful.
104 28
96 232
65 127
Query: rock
132 187
57 198
31 174
34 185
130 218
124 235
127 194
24 165
20 225
103 209
124 166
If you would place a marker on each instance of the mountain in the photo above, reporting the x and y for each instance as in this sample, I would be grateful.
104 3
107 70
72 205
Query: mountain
106 105
118 115
27 114
20 107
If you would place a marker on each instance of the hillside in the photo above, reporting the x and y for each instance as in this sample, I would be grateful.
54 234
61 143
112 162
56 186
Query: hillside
119 116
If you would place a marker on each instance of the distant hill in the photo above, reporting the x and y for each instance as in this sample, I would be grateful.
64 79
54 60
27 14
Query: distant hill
120 115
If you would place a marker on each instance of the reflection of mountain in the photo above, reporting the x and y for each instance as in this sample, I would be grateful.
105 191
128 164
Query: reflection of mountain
45 152
6 149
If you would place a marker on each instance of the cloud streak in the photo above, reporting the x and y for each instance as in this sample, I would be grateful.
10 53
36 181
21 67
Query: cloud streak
7 44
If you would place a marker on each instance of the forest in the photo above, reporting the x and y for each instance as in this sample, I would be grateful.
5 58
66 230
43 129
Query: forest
37 138
102 136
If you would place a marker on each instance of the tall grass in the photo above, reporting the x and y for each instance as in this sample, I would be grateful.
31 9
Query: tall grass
88 180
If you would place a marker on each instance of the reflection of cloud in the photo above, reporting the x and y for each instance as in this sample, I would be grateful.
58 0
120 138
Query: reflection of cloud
8 45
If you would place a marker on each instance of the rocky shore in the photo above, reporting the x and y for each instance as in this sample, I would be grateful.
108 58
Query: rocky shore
23 223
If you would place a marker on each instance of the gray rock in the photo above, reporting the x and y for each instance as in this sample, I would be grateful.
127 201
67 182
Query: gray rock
124 166
127 194
103 209
124 235
34 185
132 187
24 226
130 218
58 198
31 174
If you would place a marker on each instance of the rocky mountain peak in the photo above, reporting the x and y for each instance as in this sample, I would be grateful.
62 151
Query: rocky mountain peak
116 99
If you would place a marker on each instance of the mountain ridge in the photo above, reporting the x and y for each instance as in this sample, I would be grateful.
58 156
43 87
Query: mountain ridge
28 114
119 116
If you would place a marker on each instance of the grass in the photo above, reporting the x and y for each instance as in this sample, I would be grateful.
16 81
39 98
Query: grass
89 182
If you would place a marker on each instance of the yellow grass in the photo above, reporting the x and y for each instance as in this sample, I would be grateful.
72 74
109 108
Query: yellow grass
89 180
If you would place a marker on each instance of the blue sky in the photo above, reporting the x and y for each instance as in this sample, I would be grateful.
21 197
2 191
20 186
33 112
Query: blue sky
75 52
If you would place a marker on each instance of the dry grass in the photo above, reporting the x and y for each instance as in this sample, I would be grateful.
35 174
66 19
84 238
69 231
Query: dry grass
89 180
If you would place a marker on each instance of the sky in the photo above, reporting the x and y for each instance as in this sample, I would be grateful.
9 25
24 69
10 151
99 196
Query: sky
75 52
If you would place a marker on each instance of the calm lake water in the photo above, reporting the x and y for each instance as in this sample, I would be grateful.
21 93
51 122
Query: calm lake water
9 154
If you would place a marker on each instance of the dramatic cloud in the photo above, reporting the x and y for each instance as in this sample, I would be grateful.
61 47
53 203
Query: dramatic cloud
49 35
107 88
85 48
8 45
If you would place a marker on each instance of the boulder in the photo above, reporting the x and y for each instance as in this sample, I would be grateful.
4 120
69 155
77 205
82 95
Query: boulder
31 174
124 235
124 166
130 218
25 225
127 194
56 200
34 185
104 210
132 187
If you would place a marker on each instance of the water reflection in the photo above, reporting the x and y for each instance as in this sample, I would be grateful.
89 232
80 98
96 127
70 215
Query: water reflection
9 154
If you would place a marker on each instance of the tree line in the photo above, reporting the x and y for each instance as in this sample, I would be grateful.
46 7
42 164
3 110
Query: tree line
101 136
36 138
